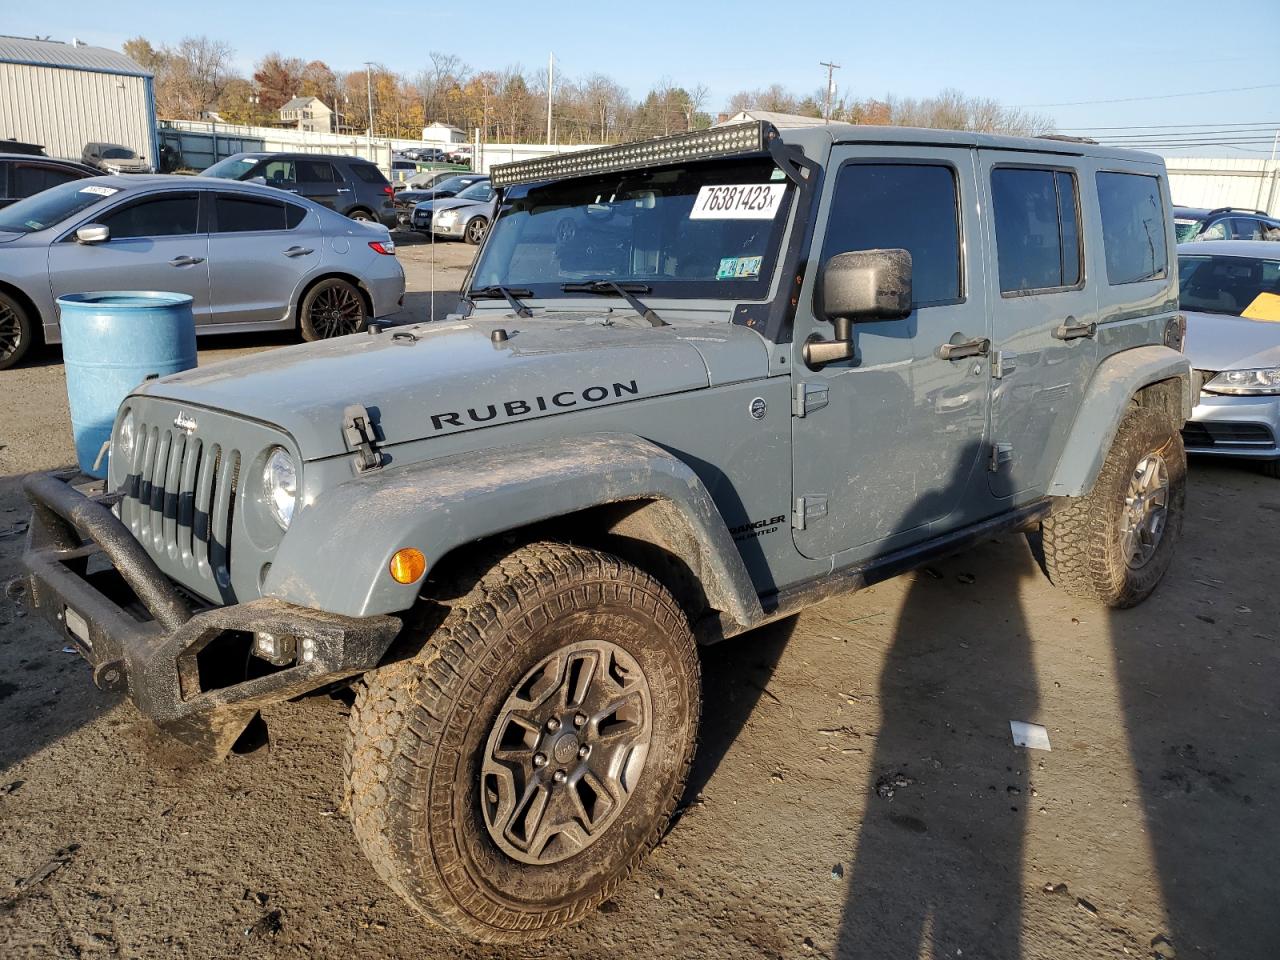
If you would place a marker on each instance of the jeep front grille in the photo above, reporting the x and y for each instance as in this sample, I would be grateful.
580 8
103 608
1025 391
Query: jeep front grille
179 500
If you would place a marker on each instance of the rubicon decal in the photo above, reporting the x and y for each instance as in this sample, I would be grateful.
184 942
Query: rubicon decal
550 403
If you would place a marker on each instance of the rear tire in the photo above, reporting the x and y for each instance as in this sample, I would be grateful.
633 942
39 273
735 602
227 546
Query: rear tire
446 791
17 331
476 229
332 308
1114 544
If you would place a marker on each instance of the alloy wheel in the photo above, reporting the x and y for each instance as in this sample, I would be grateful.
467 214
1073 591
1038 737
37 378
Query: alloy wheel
10 331
336 311
1146 507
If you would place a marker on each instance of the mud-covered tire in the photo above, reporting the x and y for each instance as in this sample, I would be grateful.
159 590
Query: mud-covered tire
421 733
1083 540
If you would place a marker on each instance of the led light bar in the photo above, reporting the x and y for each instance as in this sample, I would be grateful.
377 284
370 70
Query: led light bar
749 136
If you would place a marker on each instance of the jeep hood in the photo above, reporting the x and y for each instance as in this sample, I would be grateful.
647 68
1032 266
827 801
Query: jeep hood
1218 341
447 377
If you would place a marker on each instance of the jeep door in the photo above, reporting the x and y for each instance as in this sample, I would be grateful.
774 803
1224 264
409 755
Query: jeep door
156 242
260 248
891 456
1044 307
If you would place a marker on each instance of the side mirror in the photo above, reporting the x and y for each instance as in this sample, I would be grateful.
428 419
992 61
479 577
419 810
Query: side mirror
858 287
93 233
258 179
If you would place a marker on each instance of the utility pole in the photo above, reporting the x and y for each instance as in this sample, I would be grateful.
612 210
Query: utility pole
368 83
831 68
551 79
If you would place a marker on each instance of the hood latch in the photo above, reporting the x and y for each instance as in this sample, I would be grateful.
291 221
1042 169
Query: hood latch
361 435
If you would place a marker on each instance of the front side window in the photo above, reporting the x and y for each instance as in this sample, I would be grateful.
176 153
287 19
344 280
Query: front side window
1215 231
243 214
1243 228
170 215
708 229
1037 229
1133 227
913 207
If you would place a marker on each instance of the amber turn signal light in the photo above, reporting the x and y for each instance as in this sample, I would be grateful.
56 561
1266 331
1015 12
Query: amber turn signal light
407 565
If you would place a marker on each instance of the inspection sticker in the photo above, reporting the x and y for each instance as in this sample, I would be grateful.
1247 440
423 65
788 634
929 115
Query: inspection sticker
739 268
99 191
743 201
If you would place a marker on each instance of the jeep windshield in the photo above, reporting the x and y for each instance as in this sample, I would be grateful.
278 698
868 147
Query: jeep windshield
705 229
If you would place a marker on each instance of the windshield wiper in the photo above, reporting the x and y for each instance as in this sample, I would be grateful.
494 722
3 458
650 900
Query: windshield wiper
623 290
499 292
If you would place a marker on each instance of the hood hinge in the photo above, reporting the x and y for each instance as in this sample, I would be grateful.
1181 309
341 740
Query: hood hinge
361 435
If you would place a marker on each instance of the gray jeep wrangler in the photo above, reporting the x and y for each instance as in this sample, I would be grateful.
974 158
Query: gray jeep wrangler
698 384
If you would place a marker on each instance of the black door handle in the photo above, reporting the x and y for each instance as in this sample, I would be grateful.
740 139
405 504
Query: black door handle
977 347
1070 330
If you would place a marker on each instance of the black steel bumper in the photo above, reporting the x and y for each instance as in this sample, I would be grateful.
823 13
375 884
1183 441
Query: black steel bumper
92 579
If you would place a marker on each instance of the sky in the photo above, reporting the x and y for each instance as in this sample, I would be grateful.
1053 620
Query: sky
1047 57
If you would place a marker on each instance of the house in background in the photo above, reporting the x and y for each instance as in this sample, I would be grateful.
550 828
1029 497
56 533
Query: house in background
443 133
307 113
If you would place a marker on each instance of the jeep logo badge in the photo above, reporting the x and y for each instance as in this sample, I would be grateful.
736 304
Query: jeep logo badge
185 423
758 408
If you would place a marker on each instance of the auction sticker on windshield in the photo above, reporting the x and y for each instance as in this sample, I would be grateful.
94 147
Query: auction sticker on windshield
744 201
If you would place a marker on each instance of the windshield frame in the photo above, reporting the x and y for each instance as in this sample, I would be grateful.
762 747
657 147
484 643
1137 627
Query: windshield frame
737 290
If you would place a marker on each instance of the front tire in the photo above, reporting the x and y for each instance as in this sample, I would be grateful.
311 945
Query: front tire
1115 544
16 332
476 229
508 778
332 308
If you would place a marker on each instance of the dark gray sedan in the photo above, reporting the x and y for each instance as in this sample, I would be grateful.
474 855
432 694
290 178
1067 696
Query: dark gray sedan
250 257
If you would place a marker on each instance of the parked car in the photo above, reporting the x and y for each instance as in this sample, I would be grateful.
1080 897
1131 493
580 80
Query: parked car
402 169
405 201
426 179
1230 294
449 187
351 185
24 175
705 412
114 158
250 257
1224 223
20 146
465 216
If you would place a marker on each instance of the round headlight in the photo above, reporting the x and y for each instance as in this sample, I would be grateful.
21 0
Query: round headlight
126 439
280 483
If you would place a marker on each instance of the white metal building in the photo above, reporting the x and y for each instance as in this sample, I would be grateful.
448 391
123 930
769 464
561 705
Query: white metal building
64 95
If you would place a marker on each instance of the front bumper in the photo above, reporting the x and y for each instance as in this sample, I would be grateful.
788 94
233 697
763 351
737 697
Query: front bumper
1245 427
96 584
452 231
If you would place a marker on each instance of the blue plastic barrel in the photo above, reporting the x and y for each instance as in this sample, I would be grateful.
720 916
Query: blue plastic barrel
111 342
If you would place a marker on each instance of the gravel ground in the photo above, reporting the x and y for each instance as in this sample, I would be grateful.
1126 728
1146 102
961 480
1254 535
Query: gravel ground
856 793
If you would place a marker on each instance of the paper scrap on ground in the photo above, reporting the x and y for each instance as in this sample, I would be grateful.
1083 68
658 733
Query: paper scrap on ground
1030 735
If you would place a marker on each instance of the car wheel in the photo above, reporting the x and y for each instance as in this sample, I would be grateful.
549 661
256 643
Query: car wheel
362 216
1114 544
476 230
506 779
332 308
16 332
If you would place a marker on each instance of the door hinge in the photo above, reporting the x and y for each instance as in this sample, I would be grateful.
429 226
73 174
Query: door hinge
807 509
809 397
1003 363
362 438
1001 453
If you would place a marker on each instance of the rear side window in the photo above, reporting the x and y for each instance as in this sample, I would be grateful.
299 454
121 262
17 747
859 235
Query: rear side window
242 214
316 171
1037 229
293 215
900 205
1133 227
1245 229
167 216
29 180
368 173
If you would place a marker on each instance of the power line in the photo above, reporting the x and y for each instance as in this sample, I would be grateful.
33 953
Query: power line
1163 96
1268 124
1193 134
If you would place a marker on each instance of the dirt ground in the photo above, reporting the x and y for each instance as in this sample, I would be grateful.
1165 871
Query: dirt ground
856 792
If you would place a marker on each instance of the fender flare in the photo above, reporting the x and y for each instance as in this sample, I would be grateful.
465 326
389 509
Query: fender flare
1106 400
336 554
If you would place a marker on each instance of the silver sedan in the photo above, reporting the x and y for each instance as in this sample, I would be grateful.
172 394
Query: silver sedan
1230 293
251 257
